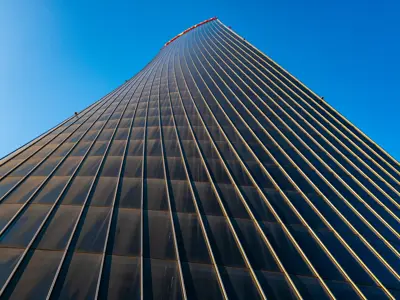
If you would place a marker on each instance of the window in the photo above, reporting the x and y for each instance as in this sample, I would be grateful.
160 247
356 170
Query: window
58 231
164 279
24 191
38 275
156 195
201 281
81 277
192 245
51 191
158 238
126 236
7 211
8 260
223 244
121 278
22 231
78 190
94 229
47 167
90 166
131 193
104 191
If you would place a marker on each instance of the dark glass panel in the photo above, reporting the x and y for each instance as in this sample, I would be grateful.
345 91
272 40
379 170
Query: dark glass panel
225 249
68 166
201 281
255 247
154 168
158 238
285 249
51 191
37 277
78 190
162 280
156 195
112 166
190 239
104 192
133 167
8 260
121 278
239 284
24 190
232 202
131 193
207 199
94 229
81 278
22 231
7 211
126 238
181 196
275 286
7 184
117 148
57 232
135 148
90 166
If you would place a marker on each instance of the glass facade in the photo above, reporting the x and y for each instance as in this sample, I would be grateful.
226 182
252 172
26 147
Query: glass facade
211 174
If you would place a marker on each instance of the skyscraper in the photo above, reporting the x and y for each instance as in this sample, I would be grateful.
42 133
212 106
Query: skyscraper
213 173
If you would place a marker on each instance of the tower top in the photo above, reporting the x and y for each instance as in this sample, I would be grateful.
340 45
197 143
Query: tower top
189 29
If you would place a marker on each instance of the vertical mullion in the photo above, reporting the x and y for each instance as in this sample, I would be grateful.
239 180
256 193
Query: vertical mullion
195 200
113 206
144 179
340 132
72 236
289 235
167 185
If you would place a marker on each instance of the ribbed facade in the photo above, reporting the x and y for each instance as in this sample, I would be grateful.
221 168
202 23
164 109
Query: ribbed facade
211 174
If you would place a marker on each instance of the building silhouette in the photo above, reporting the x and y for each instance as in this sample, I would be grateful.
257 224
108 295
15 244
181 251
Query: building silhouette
213 173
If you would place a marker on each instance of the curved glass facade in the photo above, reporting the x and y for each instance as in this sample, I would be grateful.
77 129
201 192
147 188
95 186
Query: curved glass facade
211 174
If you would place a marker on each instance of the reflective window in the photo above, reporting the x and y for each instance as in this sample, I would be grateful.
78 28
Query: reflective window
56 234
126 235
8 259
121 278
22 231
181 196
7 211
104 192
81 278
78 190
7 184
133 167
193 247
158 239
201 281
156 195
239 284
225 248
37 277
90 166
93 232
24 191
51 190
68 166
111 166
131 193
163 280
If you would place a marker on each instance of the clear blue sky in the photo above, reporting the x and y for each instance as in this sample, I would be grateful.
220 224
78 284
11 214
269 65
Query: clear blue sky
59 56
